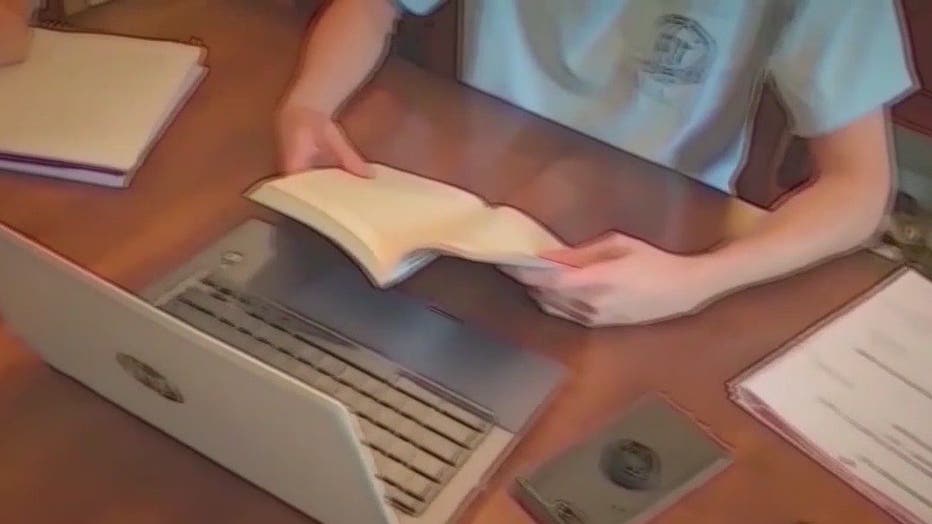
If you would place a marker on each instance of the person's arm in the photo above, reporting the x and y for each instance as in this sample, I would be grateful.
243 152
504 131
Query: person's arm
838 212
621 280
837 69
346 46
14 31
348 43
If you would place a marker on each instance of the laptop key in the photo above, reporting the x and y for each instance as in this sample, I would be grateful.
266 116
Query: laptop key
308 354
401 450
202 300
293 346
361 381
430 466
368 429
283 341
279 360
369 408
388 418
396 473
350 398
439 446
402 499
242 320
373 387
452 429
209 324
326 384
313 334
464 416
418 485
308 375
428 440
331 366
415 409
410 387
408 429
393 398
390 469
374 435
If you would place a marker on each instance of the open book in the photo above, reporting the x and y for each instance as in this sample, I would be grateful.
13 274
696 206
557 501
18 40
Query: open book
88 106
395 223
855 393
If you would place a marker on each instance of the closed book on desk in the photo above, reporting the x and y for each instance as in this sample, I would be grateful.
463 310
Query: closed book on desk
396 222
855 393
89 107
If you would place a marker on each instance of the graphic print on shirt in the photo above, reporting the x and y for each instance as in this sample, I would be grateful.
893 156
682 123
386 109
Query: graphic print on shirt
682 53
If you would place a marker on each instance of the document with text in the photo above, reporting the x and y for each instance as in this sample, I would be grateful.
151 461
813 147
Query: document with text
855 393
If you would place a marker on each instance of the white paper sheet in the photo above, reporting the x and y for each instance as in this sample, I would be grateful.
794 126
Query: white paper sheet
858 392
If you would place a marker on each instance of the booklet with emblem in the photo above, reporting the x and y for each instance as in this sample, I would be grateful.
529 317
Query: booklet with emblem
396 222
855 393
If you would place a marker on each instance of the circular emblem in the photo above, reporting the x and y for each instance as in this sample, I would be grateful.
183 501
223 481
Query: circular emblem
149 377
632 465
682 52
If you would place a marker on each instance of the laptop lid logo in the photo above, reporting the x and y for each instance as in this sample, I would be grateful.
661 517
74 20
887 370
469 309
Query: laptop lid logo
149 377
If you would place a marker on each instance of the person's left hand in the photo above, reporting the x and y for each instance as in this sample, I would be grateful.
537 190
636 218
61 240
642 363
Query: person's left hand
617 279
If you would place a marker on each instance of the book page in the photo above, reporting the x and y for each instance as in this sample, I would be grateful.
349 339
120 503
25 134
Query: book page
92 99
860 390
503 235
395 213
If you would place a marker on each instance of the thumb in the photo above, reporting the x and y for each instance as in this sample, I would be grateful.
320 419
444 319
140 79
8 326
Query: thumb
604 248
344 152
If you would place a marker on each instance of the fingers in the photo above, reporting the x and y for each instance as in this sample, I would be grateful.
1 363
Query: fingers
346 155
306 136
591 264
607 247
557 311
581 311
568 280
531 277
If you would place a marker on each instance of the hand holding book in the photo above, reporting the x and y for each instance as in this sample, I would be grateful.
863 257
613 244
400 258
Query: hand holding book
306 137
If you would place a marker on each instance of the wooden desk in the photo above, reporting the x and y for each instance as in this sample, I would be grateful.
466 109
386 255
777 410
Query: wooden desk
66 455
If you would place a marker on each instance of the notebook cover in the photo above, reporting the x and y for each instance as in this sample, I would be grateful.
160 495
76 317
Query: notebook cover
101 174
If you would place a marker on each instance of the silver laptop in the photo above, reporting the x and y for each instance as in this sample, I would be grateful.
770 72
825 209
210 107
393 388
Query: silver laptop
271 354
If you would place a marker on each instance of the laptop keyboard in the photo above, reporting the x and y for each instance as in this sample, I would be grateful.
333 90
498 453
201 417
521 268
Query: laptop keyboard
418 438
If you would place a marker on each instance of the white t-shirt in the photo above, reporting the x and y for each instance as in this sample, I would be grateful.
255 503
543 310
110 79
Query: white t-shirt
678 81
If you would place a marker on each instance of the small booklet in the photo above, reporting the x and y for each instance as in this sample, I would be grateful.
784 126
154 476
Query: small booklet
855 393
397 222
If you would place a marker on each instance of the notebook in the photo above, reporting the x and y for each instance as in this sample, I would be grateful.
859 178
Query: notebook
396 222
89 107
855 393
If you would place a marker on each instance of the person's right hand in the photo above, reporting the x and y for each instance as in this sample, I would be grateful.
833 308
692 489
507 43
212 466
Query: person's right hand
14 35
309 138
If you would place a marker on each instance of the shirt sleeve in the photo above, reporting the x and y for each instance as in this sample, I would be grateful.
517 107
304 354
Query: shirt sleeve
839 60
419 7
